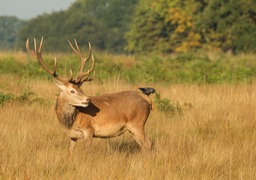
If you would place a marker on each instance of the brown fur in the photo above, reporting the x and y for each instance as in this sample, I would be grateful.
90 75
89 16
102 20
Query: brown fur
107 115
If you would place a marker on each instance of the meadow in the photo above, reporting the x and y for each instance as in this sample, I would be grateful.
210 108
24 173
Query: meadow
203 127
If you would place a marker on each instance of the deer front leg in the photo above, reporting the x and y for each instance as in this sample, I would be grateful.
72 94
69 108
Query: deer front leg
88 135
74 135
72 143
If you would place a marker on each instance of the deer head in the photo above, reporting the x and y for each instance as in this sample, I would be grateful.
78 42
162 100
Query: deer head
70 88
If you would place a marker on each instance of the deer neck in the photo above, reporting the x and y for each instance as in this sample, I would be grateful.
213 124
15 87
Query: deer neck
66 113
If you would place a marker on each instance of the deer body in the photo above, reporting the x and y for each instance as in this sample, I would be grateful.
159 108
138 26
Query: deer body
108 115
102 116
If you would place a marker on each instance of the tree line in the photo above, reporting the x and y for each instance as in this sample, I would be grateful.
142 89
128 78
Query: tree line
139 26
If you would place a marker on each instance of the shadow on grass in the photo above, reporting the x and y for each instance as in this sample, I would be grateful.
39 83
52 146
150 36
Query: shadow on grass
130 147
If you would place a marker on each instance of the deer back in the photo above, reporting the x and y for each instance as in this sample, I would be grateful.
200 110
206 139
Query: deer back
120 108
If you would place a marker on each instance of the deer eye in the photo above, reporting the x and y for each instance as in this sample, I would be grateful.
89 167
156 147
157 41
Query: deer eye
72 91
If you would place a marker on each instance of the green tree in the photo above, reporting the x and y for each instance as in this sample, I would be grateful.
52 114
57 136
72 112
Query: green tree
101 22
228 25
163 26
9 27
49 26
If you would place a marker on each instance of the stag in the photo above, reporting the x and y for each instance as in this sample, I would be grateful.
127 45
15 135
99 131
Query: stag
107 115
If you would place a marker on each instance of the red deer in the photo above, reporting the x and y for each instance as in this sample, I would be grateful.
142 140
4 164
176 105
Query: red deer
107 115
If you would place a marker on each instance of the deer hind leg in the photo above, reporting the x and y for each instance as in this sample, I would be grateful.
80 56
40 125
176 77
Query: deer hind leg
141 138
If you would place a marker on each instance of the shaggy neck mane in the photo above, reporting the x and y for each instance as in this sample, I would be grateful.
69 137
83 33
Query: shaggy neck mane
65 112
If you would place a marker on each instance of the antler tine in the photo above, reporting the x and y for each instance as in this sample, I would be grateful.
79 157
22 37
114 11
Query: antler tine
71 75
79 79
35 44
55 66
89 78
89 70
92 62
77 51
87 73
85 59
41 44
37 53
28 49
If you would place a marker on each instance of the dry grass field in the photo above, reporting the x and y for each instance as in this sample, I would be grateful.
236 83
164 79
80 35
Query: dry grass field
213 138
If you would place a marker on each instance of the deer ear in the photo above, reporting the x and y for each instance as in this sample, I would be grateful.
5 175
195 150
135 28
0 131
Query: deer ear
60 84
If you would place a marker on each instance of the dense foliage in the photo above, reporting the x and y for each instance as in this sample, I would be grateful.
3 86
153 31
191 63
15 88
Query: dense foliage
180 26
9 28
228 25
163 26
138 26
101 22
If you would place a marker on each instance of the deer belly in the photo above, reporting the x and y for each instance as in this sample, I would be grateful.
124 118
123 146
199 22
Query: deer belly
109 130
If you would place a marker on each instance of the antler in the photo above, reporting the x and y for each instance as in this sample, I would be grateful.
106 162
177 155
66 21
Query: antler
37 53
83 76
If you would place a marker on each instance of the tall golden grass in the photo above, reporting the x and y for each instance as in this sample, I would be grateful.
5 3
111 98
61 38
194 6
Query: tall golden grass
214 138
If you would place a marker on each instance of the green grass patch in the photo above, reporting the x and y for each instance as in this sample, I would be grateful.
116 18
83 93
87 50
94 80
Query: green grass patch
183 68
24 97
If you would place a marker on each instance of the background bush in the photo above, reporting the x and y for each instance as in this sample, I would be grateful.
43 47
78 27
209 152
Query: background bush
182 68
